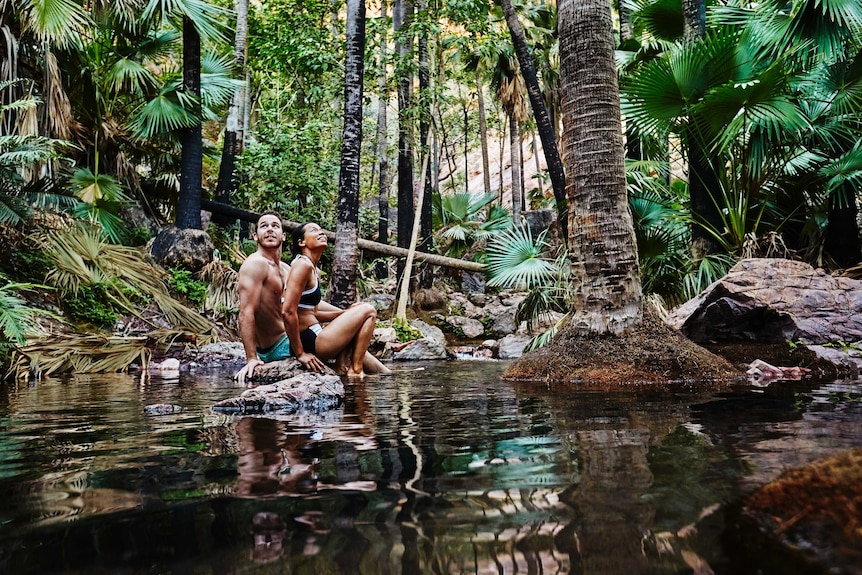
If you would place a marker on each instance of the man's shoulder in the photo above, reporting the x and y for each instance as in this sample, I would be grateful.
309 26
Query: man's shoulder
254 264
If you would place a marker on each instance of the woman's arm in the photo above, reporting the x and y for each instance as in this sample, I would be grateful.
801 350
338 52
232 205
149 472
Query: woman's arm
327 312
297 279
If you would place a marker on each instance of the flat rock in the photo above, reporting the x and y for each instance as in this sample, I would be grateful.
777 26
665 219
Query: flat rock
303 392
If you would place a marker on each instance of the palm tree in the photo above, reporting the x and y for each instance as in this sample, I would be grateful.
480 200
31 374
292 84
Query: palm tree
381 269
402 18
543 121
345 261
234 133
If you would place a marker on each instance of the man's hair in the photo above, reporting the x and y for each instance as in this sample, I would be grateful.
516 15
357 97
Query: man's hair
297 236
269 213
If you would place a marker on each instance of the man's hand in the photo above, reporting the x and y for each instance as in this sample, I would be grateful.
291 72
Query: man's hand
311 362
247 371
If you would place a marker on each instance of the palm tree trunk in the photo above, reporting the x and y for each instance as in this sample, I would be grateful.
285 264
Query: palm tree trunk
515 156
382 270
402 13
602 247
234 134
540 112
842 229
483 132
345 258
191 161
425 224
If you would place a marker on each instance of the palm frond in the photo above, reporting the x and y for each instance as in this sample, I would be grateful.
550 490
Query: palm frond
515 260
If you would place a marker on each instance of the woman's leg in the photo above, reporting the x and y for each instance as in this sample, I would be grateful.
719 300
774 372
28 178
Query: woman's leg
353 328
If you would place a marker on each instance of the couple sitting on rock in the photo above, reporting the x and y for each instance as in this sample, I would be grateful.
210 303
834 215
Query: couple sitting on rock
280 307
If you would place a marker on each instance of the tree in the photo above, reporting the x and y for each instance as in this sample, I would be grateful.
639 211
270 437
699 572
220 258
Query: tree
402 17
234 133
381 270
540 113
345 261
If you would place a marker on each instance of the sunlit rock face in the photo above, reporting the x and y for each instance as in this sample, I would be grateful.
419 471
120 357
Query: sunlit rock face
306 391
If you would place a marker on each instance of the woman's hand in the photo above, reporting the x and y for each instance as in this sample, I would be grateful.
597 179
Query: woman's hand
311 362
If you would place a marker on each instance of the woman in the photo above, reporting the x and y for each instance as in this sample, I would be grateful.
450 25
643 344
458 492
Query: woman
347 335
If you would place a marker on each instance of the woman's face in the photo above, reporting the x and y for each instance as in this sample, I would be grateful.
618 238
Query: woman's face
314 236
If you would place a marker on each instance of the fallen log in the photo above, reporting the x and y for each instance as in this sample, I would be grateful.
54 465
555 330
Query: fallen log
364 245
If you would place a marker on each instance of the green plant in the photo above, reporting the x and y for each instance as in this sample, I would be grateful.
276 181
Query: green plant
93 304
183 282
17 317
405 331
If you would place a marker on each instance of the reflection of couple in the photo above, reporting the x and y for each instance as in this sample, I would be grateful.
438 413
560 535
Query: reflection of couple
281 307
270 459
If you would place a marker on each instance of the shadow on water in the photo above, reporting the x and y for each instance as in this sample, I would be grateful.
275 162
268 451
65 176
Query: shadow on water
444 470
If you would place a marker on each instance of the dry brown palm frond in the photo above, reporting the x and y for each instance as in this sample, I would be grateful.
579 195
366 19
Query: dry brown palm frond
60 353
59 107
221 282
81 257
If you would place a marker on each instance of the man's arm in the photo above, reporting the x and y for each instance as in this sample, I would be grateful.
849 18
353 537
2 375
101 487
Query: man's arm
252 275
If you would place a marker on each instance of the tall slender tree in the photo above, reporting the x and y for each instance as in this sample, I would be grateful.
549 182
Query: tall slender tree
402 18
345 259
382 270
426 230
540 112
234 132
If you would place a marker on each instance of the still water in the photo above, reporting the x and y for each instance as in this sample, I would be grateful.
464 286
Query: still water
447 469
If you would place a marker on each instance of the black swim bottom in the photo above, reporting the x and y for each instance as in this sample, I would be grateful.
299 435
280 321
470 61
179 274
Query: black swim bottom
308 337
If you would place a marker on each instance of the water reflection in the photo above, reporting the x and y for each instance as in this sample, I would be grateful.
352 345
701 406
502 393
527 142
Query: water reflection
448 470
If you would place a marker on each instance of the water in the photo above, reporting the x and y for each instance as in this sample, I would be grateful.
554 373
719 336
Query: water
444 470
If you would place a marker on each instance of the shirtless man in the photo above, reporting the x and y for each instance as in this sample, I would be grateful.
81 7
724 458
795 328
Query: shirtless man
261 283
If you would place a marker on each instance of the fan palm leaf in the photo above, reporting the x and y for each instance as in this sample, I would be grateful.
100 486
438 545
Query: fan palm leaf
515 260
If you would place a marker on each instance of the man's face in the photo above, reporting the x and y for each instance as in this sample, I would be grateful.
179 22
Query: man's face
269 232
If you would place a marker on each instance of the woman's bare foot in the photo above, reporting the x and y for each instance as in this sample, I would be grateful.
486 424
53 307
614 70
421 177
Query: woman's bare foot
353 374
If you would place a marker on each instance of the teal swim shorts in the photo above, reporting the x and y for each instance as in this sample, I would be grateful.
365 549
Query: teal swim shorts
279 350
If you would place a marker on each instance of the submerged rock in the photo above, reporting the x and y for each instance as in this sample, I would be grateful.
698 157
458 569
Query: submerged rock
306 391
162 409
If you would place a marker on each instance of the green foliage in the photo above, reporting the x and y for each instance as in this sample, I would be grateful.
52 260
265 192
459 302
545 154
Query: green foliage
292 168
463 219
93 304
405 331
17 317
516 261
183 282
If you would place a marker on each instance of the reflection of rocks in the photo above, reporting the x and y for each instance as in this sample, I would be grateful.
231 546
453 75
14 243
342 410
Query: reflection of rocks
303 391
813 512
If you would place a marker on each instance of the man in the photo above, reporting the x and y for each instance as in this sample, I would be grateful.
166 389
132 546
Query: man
261 281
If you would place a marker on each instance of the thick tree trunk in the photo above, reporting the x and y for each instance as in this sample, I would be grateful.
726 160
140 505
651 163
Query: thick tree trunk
345 258
540 113
602 247
382 270
233 134
188 213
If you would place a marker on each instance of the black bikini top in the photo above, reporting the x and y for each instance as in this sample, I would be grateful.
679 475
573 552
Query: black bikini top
310 297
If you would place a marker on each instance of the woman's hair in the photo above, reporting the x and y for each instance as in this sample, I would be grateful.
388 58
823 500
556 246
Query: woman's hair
297 236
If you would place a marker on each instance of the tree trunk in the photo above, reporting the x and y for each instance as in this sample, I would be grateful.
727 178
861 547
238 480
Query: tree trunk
602 247
515 156
540 113
693 20
483 132
191 160
402 13
345 258
842 229
382 270
426 228
234 134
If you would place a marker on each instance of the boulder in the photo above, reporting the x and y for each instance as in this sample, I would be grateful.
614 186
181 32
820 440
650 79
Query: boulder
306 391
430 331
429 299
470 328
772 301
184 248
280 370
416 350
512 346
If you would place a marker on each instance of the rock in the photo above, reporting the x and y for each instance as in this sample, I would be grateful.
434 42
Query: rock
501 319
186 248
512 346
473 282
170 364
429 299
280 370
381 301
162 409
306 391
416 350
539 220
470 328
384 335
848 362
430 331
227 350
771 301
